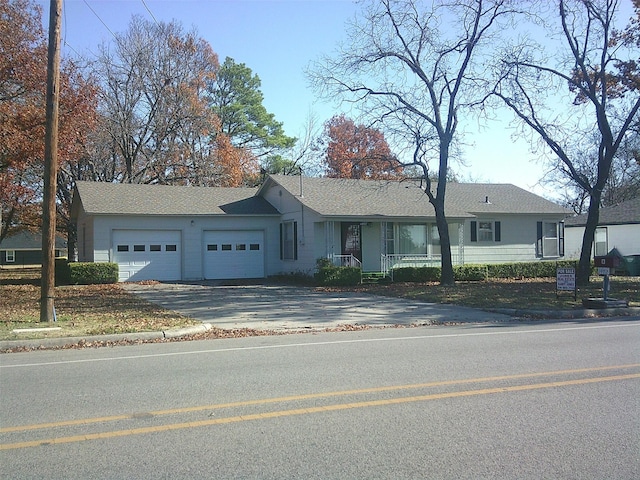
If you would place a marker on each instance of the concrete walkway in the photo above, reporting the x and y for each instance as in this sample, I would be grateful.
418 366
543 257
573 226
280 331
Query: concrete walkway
276 307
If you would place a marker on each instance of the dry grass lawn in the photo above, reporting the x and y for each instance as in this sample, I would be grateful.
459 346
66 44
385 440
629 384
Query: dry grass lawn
531 294
80 309
102 309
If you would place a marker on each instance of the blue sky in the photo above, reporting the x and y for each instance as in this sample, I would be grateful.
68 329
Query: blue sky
277 39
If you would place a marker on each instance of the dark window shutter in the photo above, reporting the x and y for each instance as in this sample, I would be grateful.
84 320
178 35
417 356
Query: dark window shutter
474 231
561 239
281 243
295 240
539 252
497 234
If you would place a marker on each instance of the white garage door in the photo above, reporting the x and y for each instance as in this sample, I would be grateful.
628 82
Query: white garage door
147 254
233 254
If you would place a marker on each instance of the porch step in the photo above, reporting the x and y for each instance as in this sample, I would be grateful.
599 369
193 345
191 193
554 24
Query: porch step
374 277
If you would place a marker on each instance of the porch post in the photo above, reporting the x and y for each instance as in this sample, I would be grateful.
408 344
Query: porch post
329 236
461 243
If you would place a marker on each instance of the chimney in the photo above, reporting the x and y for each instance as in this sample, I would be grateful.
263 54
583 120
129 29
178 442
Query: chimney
301 184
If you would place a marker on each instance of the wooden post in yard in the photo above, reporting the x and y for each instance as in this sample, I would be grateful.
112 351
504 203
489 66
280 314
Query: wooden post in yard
50 165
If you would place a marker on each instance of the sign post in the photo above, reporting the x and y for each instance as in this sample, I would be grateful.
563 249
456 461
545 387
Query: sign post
604 265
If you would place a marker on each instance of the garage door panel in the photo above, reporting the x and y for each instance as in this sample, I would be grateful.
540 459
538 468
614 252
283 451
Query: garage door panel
233 254
147 254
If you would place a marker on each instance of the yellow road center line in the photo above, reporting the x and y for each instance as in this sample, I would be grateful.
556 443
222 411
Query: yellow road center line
310 410
309 396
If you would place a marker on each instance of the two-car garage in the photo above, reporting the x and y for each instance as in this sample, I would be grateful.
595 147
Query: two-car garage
161 254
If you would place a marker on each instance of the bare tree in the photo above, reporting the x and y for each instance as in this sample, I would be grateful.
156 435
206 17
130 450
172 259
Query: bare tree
412 67
623 183
624 180
153 98
599 66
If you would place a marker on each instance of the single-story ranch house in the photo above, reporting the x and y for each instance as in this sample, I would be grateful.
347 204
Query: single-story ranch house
194 233
25 248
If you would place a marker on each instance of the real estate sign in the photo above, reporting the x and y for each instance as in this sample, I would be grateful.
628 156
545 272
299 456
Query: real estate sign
566 280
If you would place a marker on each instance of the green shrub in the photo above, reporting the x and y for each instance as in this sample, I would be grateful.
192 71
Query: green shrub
527 269
62 271
323 262
82 273
475 273
470 273
338 276
416 274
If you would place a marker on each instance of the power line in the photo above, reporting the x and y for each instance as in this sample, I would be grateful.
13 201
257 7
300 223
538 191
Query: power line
66 44
101 21
150 12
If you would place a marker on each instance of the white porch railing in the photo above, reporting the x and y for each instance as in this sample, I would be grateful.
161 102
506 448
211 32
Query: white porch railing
389 262
346 261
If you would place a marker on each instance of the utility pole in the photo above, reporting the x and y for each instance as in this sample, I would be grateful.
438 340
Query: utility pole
50 165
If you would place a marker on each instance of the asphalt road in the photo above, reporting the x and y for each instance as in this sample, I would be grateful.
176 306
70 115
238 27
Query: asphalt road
539 400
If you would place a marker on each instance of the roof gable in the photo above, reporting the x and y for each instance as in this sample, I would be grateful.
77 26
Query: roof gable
365 198
101 198
348 197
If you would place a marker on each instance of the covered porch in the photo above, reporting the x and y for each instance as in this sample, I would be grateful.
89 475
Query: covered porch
381 246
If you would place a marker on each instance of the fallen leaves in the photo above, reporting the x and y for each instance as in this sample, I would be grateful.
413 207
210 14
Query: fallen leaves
211 334
85 310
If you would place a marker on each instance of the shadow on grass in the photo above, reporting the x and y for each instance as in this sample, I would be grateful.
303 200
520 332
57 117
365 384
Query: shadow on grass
21 281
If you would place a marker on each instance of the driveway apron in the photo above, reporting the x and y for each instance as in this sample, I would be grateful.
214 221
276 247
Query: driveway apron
276 307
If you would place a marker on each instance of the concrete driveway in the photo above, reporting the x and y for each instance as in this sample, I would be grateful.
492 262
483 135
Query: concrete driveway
276 307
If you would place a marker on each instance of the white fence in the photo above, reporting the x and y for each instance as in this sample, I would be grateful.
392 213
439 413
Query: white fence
389 262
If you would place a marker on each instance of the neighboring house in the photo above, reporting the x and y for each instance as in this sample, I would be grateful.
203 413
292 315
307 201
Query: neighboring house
193 233
618 227
25 248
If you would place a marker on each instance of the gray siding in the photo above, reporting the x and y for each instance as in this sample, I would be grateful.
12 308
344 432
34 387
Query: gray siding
192 236
517 243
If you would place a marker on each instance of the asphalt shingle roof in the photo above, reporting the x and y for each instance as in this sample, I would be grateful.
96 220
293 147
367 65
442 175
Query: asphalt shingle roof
346 197
623 213
27 241
101 198
329 197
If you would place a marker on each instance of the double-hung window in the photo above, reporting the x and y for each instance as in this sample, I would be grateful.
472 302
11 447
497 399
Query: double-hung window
486 231
10 256
550 239
600 241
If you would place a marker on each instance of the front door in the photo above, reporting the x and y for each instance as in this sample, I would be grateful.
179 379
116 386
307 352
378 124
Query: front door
351 240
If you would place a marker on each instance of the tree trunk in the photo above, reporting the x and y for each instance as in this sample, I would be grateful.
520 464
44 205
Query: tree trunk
446 274
446 277
584 265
